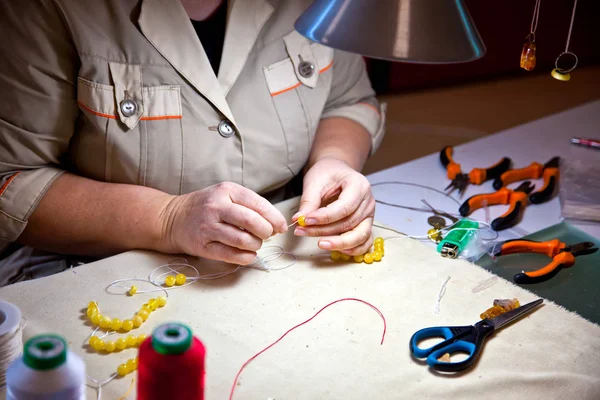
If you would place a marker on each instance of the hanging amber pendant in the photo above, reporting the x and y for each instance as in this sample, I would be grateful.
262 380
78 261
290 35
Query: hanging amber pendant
528 55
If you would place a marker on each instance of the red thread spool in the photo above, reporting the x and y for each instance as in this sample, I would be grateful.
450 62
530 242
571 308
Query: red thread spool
171 365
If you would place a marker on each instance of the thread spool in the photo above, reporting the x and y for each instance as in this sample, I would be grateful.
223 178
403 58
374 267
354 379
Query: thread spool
171 365
11 337
46 370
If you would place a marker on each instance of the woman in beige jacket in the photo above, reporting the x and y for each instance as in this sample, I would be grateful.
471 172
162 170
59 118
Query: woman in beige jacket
169 125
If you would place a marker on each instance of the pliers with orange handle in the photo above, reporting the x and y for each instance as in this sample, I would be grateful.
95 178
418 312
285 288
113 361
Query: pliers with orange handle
477 176
518 200
549 171
563 256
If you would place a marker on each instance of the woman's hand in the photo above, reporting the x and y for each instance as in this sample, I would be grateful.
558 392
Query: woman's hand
225 222
338 205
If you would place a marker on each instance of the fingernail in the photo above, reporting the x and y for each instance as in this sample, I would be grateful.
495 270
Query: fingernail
324 244
299 232
296 215
310 221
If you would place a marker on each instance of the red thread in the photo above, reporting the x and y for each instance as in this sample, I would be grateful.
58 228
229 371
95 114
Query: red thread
299 325
175 377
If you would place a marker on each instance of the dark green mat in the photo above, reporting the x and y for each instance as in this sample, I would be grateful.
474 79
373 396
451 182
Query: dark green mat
576 288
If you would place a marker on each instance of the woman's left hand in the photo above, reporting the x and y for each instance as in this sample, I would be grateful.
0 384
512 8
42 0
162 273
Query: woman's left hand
338 206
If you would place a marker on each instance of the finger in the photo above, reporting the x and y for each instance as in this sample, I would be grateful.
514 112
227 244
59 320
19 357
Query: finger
346 204
235 237
365 209
310 201
248 219
359 237
221 252
249 199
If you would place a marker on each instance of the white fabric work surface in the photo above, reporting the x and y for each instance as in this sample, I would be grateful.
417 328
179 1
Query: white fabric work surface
551 354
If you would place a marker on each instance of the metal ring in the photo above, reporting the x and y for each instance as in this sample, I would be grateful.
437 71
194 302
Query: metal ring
566 71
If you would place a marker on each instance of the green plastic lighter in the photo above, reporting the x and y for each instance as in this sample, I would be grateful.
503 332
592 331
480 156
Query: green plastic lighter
457 238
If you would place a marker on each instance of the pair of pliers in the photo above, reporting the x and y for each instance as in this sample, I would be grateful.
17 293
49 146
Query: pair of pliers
517 198
477 176
549 171
563 256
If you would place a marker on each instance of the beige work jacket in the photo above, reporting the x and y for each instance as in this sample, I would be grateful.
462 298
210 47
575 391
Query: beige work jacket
122 91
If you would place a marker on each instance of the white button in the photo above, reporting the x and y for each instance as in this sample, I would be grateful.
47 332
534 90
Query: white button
128 107
225 129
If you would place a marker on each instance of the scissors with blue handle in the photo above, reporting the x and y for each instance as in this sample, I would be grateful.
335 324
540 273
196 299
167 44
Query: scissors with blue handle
463 339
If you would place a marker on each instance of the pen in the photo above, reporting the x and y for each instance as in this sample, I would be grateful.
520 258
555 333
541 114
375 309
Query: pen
587 142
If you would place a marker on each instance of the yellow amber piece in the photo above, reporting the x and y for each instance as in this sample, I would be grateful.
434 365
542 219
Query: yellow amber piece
146 308
378 247
336 255
127 325
132 290
131 364
528 58
110 346
302 220
93 340
105 322
180 279
345 257
141 338
561 76
359 258
144 314
377 255
96 318
368 258
115 325
161 301
170 280
378 239
122 370
153 304
92 304
492 312
137 321
91 311
434 235
121 343
98 345
131 340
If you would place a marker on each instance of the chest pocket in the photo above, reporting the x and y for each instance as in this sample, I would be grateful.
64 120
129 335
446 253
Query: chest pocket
137 127
299 86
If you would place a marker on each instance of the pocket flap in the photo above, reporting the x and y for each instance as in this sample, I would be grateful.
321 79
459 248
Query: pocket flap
283 75
128 92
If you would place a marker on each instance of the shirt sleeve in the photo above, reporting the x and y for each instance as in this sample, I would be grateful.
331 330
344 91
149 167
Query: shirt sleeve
38 64
353 97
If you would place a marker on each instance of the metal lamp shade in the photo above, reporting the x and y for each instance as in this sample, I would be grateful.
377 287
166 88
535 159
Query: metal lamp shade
420 31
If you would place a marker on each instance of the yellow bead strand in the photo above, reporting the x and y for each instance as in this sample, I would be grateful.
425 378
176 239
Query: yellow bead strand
143 314
368 258
127 325
137 321
152 304
127 367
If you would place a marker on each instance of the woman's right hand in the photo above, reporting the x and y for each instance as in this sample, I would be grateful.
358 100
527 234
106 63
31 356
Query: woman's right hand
225 222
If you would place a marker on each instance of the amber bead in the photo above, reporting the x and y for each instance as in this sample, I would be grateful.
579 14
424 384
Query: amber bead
132 290
105 322
368 258
359 258
170 280
144 314
121 344
115 325
180 279
528 56
336 255
110 346
301 220
137 321
122 370
377 255
96 318
131 340
152 304
127 325
161 301
98 345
